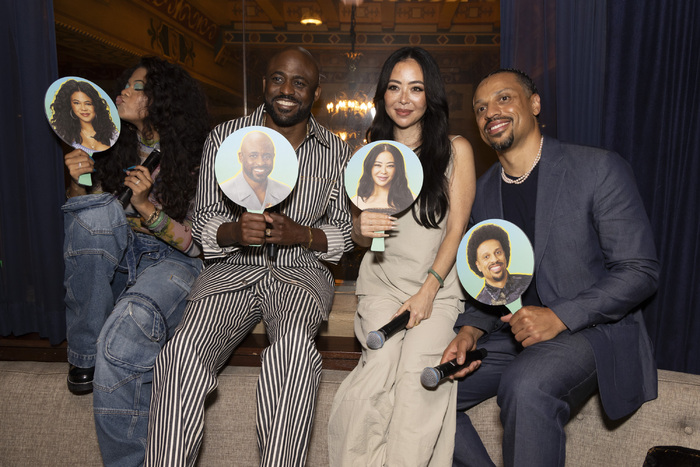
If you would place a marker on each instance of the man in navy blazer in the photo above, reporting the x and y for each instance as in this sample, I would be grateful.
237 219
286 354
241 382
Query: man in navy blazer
580 328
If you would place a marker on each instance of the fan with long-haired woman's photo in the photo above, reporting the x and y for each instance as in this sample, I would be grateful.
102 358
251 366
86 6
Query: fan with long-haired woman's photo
384 176
83 116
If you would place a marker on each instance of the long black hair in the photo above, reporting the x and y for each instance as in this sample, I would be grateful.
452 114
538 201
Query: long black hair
177 110
434 151
67 124
400 195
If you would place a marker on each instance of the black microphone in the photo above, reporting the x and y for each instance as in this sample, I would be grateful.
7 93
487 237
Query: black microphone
376 339
150 163
431 376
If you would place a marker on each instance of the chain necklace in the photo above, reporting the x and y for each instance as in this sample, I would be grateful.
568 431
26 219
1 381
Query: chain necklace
521 179
88 140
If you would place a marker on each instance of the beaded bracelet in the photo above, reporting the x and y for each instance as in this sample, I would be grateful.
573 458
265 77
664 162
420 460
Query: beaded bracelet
437 276
151 219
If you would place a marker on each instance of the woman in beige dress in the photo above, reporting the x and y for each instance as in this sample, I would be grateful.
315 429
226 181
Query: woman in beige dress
381 414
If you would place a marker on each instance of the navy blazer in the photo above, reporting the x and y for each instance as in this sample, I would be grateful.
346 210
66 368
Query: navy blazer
595 261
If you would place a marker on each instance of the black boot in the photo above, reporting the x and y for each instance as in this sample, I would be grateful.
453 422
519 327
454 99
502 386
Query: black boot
80 380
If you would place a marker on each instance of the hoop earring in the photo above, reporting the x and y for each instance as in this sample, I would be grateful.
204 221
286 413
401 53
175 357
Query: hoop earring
72 115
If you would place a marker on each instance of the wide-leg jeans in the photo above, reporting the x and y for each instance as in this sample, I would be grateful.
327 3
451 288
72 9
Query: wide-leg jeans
125 294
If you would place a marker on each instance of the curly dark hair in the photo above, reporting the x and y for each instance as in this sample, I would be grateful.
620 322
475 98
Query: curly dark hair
435 149
67 125
400 195
177 110
479 236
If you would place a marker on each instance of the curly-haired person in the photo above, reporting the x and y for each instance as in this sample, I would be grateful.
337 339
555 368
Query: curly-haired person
488 255
129 269
81 117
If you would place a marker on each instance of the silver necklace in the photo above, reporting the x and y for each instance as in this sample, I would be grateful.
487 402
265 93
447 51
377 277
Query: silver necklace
522 178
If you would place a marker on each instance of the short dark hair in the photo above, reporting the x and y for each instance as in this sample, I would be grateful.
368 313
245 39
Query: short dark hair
525 81
479 236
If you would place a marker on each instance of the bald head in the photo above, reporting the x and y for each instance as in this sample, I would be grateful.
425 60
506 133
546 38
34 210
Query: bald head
300 54
291 86
257 157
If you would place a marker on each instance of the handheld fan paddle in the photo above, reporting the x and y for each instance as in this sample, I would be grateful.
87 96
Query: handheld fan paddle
83 116
383 176
495 262
256 168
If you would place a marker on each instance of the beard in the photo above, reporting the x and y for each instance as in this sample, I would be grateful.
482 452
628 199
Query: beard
501 275
502 145
291 118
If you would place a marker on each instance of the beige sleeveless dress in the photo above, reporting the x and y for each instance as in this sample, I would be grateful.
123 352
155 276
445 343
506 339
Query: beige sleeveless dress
381 414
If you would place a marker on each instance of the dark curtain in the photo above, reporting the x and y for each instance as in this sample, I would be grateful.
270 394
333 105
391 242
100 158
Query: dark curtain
528 31
31 176
561 45
652 116
622 75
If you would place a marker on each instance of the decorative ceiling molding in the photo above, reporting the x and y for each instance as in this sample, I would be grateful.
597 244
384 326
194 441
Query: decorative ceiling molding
335 40
437 15
189 17
77 39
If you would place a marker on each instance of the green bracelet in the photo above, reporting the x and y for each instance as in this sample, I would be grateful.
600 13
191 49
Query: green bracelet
437 276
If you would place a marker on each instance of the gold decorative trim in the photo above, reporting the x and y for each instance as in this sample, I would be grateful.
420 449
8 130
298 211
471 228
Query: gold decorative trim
96 38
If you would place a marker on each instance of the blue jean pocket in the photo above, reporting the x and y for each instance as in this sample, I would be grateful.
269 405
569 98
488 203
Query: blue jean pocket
136 336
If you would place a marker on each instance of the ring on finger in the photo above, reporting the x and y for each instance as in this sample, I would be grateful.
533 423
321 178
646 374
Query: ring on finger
137 181
80 164
268 232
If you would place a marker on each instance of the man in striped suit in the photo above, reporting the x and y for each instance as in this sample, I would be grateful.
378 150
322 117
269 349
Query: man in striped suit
241 284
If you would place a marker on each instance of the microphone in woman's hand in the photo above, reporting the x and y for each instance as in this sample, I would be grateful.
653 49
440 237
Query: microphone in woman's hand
150 163
431 376
376 339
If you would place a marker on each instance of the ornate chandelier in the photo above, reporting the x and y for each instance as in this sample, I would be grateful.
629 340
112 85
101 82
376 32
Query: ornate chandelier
349 112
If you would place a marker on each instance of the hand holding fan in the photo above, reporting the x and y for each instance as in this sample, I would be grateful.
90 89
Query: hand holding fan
495 262
257 168
83 116
384 177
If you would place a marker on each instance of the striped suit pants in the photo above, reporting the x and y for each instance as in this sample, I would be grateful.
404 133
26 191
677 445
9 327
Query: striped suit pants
186 372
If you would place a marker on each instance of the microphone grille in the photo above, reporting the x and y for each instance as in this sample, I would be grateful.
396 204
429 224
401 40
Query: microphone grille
430 377
375 340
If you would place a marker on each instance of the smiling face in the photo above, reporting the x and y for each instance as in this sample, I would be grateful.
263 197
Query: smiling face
82 106
257 157
491 262
132 102
383 169
505 114
291 87
404 98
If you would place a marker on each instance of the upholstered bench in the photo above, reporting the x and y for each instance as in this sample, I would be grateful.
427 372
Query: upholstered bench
42 424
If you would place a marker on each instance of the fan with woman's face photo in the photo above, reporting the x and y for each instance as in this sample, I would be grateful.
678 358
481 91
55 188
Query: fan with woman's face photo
83 116
385 177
